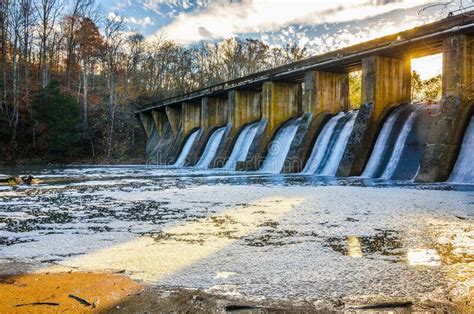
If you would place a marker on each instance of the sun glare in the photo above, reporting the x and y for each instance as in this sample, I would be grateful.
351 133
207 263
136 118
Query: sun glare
429 66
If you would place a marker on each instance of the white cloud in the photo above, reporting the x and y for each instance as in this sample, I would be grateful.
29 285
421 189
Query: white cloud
222 19
141 22
131 20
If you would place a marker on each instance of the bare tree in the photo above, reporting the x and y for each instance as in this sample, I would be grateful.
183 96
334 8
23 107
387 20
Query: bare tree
114 39
48 11
4 8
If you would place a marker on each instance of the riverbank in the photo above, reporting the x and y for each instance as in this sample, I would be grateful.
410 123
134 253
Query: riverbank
200 240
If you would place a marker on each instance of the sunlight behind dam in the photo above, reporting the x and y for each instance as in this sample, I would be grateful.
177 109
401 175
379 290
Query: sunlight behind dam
153 258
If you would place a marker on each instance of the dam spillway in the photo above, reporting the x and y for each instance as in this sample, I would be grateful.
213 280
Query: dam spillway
248 124
242 146
329 147
211 149
399 147
180 162
463 171
279 147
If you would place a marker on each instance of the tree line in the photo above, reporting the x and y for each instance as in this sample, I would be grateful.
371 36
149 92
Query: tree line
72 77
68 57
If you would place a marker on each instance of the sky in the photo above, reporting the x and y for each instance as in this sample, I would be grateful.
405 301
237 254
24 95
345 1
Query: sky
320 26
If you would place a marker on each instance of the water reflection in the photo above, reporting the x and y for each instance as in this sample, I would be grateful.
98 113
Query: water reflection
386 245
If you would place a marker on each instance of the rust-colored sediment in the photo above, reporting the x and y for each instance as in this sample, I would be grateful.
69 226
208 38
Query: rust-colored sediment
75 292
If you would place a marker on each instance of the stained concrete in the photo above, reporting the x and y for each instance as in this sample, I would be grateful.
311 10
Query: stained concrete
244 107
325 94
173 113
456 109
213 115
147 122
190 120
280 103
386 83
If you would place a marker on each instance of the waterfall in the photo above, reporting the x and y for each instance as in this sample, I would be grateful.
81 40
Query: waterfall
331 144
211 148
394 155
463 171
380 145
280 147
242 146
185 151
321 144
399 145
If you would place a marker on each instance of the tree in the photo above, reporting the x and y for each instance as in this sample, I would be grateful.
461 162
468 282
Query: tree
90 46
355 89
59 116
425 90
49 11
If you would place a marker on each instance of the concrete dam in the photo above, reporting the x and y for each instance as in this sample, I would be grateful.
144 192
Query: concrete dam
297 118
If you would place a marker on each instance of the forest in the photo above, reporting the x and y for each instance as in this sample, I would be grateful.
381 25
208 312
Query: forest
72 78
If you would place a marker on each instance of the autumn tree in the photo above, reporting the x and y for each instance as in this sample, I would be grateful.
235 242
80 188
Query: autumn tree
91 46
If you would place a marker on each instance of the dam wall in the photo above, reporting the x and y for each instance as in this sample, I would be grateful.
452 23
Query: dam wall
282 114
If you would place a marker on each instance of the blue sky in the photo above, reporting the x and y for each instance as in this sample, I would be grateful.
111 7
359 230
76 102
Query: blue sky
318 25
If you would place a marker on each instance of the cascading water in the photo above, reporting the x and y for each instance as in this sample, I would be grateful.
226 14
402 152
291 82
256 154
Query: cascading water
186 148
242 146
280 147
211 148
330 145
400 144
380 145
463 171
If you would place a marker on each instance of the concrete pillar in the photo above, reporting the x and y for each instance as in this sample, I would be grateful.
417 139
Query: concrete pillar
280 103
160 120
456 109
174 118
325 94
147 122
386 83
213 115
188 117
244 107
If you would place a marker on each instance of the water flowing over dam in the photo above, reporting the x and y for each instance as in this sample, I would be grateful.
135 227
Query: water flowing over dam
400 144
298 118
329 147
242 146
211 149
186 148
463 171
279 147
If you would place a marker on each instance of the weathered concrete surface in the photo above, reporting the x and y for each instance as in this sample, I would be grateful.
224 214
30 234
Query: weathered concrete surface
244 107
293 161
174 118
147 122
325 94
153 138
300 156
280 103
456 109
164 138
213 115
386 83
190 121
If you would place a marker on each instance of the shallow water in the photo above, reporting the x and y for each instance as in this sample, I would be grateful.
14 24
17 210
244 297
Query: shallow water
243 234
